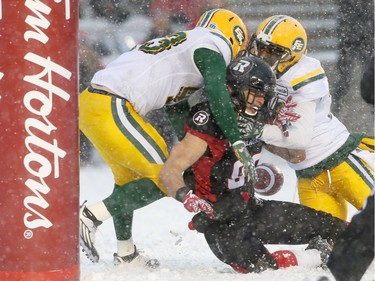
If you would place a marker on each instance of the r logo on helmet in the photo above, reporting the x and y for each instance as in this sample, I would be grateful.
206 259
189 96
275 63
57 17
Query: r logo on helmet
239 34
298 45
200 118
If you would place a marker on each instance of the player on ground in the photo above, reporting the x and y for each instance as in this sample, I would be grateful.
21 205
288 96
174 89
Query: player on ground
203 173
335 166
112 109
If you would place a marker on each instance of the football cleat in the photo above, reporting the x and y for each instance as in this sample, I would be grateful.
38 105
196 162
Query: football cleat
136 258
323 247
88 225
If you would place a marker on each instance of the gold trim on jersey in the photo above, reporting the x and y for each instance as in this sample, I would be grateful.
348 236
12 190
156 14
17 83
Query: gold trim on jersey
312 76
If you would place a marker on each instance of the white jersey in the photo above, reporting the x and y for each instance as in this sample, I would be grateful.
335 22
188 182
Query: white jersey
317 131
161 70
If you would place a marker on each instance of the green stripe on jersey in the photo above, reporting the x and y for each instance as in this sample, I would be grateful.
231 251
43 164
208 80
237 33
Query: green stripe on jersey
308 81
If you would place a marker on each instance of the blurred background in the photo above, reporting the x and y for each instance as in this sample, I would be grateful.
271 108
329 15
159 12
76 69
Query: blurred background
340 34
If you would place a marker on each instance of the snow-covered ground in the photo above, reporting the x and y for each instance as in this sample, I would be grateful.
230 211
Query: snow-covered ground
160 229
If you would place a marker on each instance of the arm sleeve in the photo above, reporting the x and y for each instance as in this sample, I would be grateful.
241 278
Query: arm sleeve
300 132
212 66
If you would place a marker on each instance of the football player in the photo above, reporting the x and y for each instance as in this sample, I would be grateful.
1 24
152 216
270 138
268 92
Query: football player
112 109
333 166
204 173
353 252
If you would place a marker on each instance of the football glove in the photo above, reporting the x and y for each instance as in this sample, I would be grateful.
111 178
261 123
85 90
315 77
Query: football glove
285 116
193 203
249 127
245 158
200 222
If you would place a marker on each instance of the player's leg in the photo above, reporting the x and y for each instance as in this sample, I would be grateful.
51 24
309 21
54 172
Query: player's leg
244 253
277 222
124 140
130 146
316 193
352 181
244 249
144 154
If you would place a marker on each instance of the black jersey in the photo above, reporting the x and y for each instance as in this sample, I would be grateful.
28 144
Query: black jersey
242 224
218 170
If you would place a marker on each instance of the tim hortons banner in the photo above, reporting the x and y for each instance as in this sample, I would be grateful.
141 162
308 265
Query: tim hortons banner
39 163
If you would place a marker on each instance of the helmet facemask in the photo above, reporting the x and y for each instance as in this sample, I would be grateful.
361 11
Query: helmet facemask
248 78
275 54
244 98
281 41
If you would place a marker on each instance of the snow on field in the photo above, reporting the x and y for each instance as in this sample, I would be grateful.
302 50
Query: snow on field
160 229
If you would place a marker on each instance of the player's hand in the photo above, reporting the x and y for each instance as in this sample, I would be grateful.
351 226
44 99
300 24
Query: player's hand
193 203
249 128
286 115
245 158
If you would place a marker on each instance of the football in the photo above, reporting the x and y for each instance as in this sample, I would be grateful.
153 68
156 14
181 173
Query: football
270 179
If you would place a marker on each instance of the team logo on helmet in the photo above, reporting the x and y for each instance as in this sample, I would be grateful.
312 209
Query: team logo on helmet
242 66
298 45
239 34
201 117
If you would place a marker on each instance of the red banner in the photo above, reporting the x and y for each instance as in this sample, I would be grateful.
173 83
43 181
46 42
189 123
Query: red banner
39 166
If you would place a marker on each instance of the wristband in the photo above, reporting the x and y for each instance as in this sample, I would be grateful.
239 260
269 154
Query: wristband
181 193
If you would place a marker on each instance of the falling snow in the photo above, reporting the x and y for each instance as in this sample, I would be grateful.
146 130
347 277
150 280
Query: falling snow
160 230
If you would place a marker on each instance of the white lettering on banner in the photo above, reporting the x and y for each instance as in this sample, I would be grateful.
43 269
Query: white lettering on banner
40 103
35 23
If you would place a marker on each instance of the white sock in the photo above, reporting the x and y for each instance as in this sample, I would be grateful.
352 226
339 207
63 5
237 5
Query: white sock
125 247
100 211
308 258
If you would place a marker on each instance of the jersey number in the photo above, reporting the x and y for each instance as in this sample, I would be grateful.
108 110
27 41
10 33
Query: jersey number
238 177
152 47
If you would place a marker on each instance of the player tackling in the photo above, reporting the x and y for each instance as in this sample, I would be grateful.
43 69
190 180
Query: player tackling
204 174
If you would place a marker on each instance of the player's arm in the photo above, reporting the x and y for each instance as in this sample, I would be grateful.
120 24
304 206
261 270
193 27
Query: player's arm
182 156
212 66
300 132
291 155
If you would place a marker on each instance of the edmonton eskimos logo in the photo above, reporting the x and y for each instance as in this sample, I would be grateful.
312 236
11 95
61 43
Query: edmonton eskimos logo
239 34
298 44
